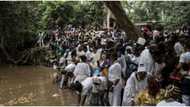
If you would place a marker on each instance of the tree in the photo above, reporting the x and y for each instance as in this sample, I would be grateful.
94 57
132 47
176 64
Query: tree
71 12
122 19
18 30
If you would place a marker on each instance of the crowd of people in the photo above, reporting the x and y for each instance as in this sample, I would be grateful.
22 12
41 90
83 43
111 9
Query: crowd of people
105 68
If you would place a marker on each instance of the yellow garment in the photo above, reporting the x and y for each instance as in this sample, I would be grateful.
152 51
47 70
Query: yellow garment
105 72
144 99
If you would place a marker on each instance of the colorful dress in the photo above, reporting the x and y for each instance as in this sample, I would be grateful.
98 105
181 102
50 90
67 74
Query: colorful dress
144 99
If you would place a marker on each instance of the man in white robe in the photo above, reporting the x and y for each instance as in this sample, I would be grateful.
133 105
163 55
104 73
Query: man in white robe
147 60
136 83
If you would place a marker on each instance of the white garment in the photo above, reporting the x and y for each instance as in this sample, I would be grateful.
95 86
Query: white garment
62 81
70 67
122 62
147 61
79 53
82 71
114 73
179 49
96 57
185 57
155 34
54 66
131 56
61 60
132 88
93 63
69 58
89 55
172 103
103 41
103 85
88 84
98 54
115 96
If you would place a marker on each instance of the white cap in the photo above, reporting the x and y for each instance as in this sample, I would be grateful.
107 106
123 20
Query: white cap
141 68
141 41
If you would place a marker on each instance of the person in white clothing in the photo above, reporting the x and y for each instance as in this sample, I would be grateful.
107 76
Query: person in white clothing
69 72
147 60
82 70
184 63
179 49
122 62
80 51
149 56
89 54
114 76
86 87
136 83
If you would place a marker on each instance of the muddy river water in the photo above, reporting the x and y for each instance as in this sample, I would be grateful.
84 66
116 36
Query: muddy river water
32 86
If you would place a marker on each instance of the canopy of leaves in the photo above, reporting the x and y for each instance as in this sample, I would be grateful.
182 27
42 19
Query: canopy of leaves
74 12
169 13
18 24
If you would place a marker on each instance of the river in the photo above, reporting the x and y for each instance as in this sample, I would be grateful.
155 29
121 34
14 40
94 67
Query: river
32 86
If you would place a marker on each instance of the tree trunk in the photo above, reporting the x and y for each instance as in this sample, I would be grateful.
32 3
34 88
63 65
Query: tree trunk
122 19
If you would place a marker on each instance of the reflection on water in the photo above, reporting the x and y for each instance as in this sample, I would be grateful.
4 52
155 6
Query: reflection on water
29 85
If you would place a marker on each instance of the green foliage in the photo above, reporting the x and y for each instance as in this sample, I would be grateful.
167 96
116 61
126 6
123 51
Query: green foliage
74 12
170 13
20 22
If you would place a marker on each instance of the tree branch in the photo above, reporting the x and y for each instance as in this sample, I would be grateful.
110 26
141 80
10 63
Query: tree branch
122 19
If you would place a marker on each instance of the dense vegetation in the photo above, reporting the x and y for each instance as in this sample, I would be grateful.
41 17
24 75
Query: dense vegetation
21 22
169 13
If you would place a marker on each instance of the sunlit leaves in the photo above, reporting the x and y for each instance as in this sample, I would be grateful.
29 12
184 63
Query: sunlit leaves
169 13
